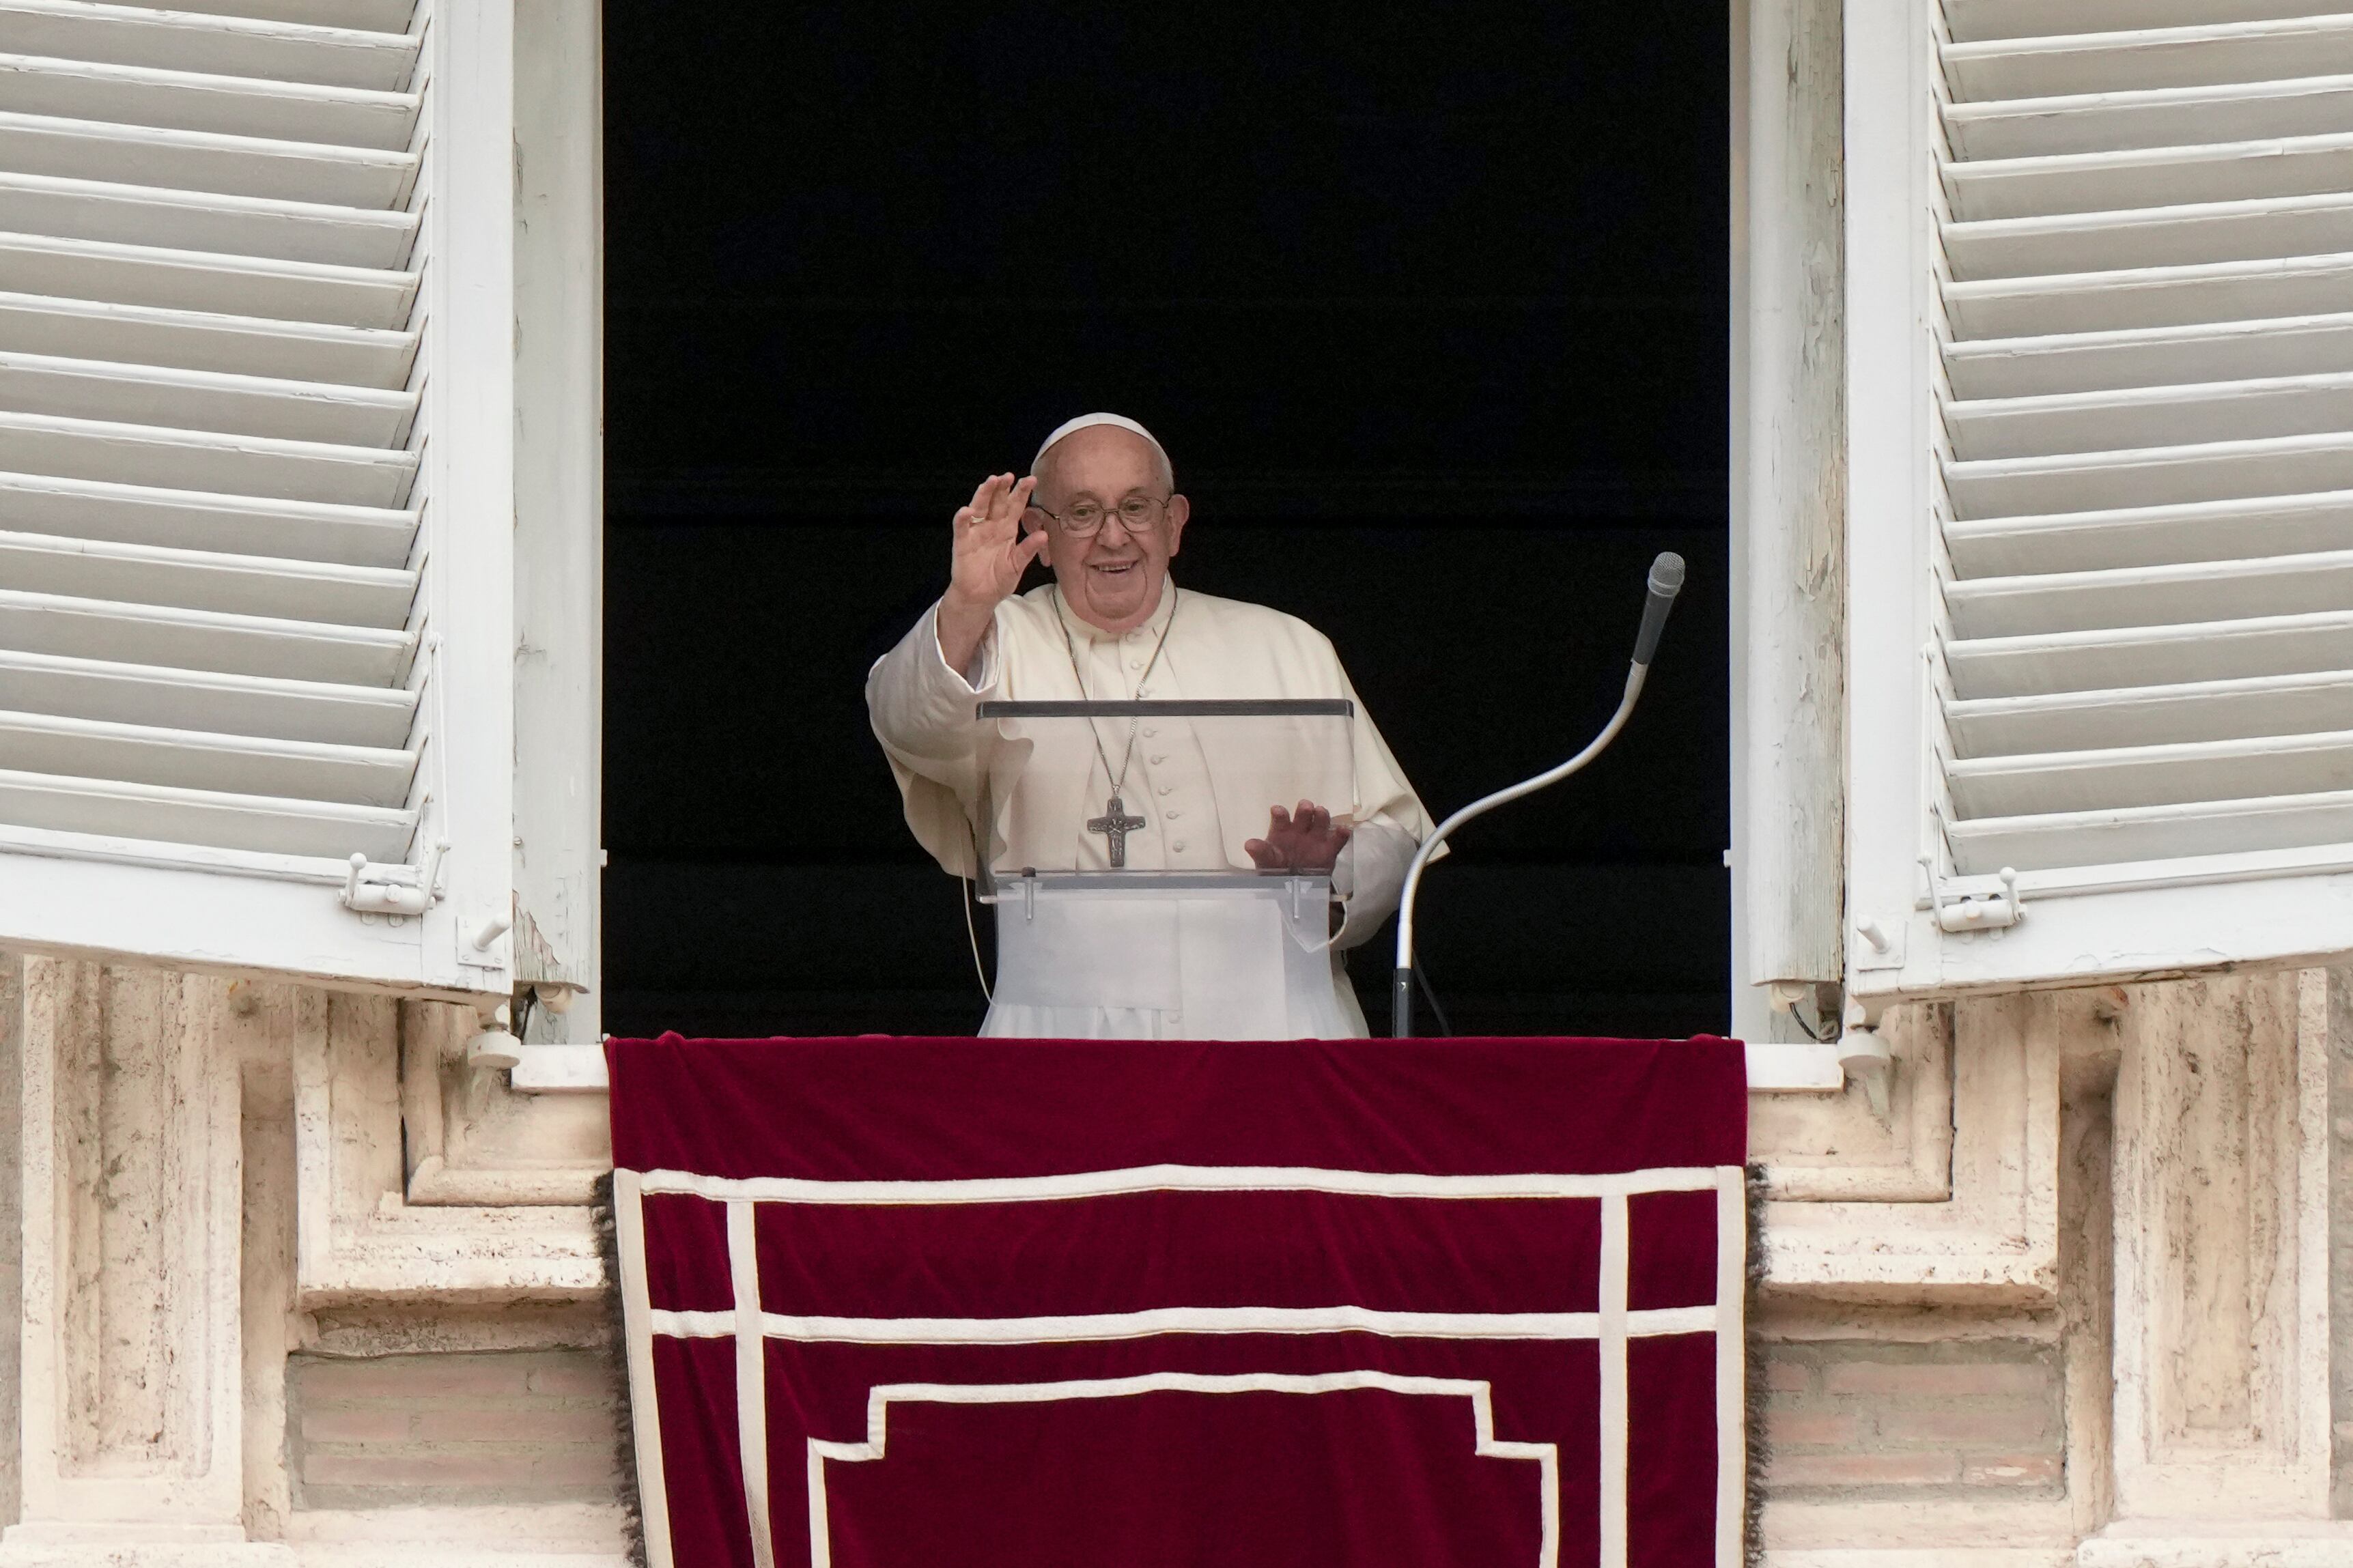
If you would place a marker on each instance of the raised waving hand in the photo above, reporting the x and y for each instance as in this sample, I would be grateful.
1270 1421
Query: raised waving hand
989 557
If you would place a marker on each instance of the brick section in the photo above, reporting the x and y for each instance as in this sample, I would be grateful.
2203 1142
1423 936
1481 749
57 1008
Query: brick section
1857 1419
404 1431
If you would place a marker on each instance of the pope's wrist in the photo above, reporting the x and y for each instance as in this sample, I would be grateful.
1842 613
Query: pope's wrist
964 607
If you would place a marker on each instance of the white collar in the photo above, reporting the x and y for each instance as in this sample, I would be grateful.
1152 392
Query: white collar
1157 621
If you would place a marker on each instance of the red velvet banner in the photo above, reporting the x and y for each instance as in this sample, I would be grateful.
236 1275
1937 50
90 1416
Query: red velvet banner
900 1304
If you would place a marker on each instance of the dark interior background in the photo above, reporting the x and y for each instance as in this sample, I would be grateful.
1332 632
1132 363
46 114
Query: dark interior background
1427 302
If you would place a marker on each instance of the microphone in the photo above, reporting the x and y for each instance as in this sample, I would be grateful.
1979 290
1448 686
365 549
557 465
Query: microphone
1666 581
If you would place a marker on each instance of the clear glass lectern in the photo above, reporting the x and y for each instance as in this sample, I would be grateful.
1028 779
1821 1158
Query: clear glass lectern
1165 867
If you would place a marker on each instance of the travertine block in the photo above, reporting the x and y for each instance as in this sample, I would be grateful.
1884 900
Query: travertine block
132 1354
454 1430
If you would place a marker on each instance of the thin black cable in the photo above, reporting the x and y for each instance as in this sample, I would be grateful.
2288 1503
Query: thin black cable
1821 1036
1421 979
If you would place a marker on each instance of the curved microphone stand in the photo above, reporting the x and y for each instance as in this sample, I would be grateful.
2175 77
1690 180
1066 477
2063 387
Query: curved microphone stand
1666 581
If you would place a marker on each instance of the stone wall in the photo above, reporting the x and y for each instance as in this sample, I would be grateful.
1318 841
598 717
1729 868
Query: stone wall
260 1321
296 1286
1885 1420
2340 1235
456 1430
2081 1295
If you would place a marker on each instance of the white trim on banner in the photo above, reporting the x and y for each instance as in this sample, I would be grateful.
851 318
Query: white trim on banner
638 1324
1083 1327
879 1400
1613 1326
1183 1179
1615 1259
1731 1365
751 1379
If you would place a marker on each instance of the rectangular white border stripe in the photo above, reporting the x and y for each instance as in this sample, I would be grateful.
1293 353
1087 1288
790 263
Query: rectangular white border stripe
1731 1366
751 1380
751 1327
1613 1402
879 1400
1083 1327
1183 1178
640 1323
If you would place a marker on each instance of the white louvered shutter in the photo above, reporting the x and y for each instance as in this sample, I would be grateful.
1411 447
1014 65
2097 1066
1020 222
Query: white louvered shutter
2101 538
256 487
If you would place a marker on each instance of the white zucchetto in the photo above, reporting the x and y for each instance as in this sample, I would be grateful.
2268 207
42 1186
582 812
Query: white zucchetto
1084 421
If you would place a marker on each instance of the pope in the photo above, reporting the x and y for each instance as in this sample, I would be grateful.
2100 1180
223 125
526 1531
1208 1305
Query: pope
1100 506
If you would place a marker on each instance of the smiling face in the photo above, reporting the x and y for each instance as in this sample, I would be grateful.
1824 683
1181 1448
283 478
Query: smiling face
1111 578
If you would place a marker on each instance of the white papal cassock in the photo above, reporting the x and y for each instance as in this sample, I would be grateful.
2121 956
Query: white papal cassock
1143 966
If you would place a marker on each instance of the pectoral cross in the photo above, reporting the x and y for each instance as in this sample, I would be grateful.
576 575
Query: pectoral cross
1115 824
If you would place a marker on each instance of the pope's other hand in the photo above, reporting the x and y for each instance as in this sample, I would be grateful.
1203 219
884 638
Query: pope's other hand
1300 840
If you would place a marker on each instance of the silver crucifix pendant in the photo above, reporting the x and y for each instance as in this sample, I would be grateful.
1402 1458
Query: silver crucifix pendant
1115 824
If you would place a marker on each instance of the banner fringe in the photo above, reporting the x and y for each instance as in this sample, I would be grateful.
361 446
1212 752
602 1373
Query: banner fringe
608 1249
1752 1531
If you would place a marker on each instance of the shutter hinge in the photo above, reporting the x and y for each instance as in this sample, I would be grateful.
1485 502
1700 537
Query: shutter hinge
1975 911
370 889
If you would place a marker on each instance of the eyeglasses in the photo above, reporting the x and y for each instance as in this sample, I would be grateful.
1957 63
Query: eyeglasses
1086 518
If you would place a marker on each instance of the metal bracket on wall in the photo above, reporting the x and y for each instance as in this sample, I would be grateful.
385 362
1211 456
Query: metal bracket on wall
397 890
1975 911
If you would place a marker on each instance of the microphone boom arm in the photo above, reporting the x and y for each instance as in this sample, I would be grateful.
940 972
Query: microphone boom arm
1666 580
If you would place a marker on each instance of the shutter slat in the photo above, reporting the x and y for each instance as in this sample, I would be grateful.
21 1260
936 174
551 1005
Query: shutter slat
204 580
241 465
162 697
2156 535
2110 360
2130 418
192 340
2150 656
1977 21
127 214
2136 178
2194 233
191 758
369 15
2088 481
2153 716
199 400
204 160
2146 58
195 281
224 820
227 46
2111 122
2177 774
232 525
192 100
202 639
2148 297
2151 595
2158 835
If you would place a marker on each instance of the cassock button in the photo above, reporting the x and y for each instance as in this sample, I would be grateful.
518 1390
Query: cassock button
1160 758
1149 734
1178 846
1167 789
1173 814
